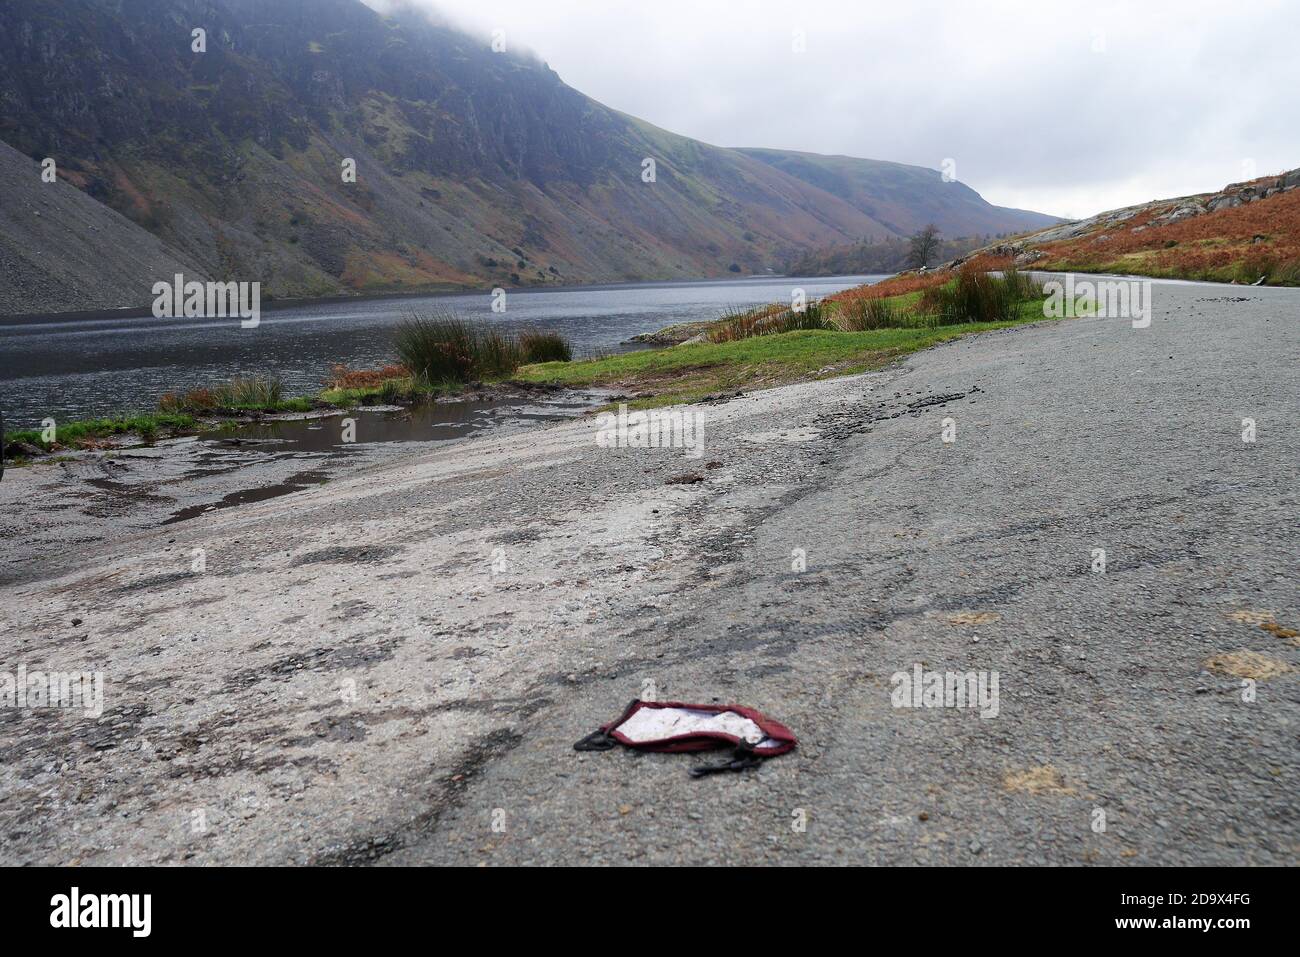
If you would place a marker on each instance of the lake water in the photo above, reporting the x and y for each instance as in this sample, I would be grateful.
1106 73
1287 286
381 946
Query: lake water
76 368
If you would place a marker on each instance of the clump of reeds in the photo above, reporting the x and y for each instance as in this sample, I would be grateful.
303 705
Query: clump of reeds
541 346
341 377
864 315
736 324
814 315
445 348
438 348
978 296
771 319
245 393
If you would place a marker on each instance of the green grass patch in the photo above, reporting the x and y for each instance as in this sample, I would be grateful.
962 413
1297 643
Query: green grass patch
397 391
73 434
687 373
177 413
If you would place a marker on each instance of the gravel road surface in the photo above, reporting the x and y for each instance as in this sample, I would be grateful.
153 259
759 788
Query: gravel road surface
392 667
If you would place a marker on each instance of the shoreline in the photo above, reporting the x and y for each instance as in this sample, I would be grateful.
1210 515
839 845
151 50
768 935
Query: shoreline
296 409
281 304
748 344
278 305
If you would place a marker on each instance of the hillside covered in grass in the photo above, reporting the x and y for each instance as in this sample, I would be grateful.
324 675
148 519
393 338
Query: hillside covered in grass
1245 233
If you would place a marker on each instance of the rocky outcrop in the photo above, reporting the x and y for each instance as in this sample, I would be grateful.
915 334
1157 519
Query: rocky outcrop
1099 229
1018 252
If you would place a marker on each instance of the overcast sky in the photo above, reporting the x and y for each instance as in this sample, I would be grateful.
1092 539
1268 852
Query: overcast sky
1060 106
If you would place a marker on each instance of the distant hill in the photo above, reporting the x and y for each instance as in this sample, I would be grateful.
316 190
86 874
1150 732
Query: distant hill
902 198
474 168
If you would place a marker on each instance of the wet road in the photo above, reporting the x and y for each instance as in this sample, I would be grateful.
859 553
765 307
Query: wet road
392 668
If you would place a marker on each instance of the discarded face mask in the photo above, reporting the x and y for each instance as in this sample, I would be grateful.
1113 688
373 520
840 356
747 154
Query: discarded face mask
673 726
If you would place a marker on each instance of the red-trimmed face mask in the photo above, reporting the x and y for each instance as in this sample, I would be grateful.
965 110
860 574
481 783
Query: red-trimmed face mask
674 726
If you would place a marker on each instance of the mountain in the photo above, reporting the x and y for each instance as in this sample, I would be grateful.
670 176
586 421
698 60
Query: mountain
473 167
902 198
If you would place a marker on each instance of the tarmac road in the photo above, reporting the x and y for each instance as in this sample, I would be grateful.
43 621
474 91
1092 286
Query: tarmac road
392 668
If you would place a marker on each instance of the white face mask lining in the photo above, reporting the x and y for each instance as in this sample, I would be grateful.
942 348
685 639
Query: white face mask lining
656 724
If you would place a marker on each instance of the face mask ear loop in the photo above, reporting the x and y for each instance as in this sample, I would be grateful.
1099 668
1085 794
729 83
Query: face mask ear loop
742 759
598 740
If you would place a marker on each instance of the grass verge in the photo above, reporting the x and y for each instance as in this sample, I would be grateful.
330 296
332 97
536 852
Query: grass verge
87 431
688 373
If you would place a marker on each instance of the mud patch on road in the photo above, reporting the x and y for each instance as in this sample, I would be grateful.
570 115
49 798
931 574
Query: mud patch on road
43 739
1247 616
447 793
155 581
933 400
973 618
1246 664
519 536
1037 781
345 729
116 498
349 555
1290 634
318 659
294 483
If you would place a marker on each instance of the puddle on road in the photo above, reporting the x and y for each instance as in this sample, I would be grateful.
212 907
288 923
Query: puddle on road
294 483
320 440
435 422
